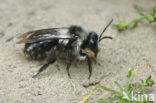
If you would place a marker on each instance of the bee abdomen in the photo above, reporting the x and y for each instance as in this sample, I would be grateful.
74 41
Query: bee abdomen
38 50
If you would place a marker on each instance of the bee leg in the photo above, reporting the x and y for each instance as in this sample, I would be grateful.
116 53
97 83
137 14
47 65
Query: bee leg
51 59
89 63
67 68
69 62
41 69
89 66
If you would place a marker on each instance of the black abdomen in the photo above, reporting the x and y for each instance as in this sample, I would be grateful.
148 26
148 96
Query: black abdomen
38 50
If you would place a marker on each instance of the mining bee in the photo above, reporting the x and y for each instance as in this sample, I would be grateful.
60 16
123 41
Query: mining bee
70 41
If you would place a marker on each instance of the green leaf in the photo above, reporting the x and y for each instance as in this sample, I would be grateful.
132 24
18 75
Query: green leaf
110 100
131 75
110 90
142 81
121 26
154 14
151 17
119 86
149 82
145 16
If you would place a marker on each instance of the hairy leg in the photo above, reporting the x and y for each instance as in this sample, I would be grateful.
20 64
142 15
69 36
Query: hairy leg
51 59
69 61
89 62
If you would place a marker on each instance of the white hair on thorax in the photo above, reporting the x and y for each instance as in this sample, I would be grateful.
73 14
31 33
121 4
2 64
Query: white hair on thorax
84 34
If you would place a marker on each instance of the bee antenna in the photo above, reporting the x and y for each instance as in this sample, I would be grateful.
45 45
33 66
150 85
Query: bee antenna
105 37
105 29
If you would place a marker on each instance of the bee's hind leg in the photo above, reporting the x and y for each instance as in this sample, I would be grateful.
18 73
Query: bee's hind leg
51 59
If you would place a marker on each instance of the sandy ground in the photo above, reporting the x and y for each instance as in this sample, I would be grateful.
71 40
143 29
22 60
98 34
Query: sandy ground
131 49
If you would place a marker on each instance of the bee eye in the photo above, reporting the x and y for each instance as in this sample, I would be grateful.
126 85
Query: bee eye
92 41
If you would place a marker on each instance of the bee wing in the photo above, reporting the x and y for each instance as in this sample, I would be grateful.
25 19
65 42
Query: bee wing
50 37
23 37
39 34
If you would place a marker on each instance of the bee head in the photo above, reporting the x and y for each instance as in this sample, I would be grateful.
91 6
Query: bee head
92 43
94 40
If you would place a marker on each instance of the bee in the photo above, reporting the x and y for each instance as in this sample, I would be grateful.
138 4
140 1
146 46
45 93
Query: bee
70 41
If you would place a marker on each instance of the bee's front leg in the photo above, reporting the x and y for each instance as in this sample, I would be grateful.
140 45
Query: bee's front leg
85 56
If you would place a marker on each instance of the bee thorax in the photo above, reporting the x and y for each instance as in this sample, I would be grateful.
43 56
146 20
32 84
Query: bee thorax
84 34
80 31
